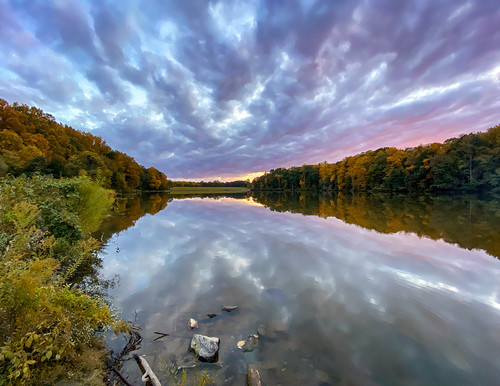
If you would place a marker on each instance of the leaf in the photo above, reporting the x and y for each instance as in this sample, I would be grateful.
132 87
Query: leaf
29 341
48 354
31 362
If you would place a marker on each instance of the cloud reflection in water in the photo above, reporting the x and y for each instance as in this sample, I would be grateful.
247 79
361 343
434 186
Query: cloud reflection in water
345 303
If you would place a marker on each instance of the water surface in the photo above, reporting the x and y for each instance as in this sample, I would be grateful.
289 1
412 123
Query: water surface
352 302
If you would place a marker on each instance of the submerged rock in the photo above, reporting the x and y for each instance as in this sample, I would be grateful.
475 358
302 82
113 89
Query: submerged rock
229 308
211 315
271 329
250 344
263 330
267 331
206 348
193 323
253 377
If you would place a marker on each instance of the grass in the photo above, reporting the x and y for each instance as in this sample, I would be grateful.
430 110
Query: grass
205 190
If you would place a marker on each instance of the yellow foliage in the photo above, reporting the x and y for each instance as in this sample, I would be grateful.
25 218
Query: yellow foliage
27 153
47 328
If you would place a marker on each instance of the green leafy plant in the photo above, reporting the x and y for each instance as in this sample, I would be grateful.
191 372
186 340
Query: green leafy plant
49 327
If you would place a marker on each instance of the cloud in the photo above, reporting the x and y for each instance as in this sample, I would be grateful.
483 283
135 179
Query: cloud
228 88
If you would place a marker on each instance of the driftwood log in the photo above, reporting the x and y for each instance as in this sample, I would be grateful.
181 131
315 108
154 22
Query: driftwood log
148 375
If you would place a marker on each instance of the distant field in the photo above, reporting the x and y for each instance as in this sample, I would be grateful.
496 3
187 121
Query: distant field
205 190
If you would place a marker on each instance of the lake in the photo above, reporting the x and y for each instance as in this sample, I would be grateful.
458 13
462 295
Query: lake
344 290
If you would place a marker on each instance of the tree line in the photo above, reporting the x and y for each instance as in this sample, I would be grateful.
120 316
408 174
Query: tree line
31 141
470 163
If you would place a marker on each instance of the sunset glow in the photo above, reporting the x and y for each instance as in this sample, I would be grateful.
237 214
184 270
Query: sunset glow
228 89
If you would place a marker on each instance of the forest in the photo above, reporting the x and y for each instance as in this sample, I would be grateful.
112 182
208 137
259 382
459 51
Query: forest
31 141
470 163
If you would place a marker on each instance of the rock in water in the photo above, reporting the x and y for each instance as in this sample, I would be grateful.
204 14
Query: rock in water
271 329
253 377
229 308
205 347
262 330
251 343
193 323
211 315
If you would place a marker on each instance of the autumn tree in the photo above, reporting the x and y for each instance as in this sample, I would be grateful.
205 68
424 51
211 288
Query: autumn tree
32 141
469 163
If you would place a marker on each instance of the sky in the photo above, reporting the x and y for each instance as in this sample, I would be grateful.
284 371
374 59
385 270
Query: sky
228 89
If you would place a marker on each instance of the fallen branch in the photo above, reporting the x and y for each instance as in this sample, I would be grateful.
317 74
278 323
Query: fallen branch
147 373
122 377
162 335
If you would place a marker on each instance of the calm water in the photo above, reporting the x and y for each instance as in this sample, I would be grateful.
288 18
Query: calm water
361 290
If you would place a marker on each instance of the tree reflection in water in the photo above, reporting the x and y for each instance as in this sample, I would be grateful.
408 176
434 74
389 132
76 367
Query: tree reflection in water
471 222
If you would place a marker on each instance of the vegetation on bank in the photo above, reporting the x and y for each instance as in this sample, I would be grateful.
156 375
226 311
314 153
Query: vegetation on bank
51 312
31 141
470 163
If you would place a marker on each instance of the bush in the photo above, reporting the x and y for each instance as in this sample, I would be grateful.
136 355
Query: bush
48 326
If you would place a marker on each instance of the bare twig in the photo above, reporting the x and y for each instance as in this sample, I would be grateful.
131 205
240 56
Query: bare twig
122 377
162 335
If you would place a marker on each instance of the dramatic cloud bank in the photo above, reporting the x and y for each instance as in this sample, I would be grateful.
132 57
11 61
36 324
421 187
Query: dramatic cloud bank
226 88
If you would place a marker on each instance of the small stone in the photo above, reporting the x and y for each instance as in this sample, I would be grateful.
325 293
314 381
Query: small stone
253 377
205 347
229 308
240 344
193 323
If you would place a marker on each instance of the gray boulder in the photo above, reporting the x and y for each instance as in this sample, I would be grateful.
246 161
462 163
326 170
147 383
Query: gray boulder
206 348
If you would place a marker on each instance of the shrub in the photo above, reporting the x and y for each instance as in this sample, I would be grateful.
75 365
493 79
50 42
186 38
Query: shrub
49 328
